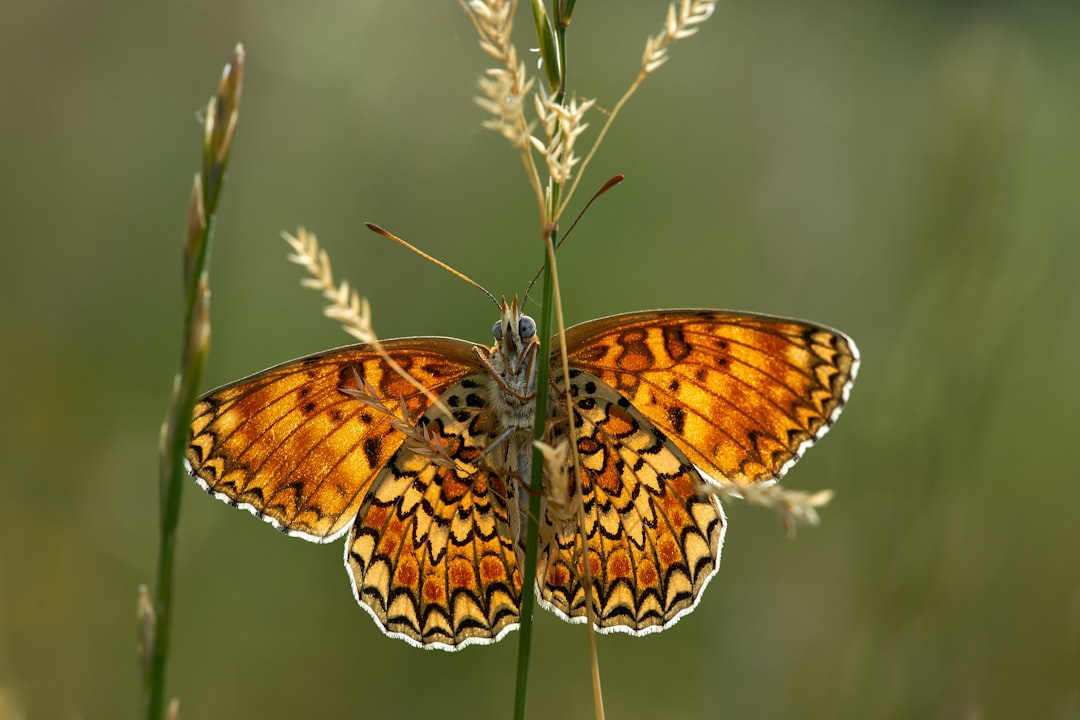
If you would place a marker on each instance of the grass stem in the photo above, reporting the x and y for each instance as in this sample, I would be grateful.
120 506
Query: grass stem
155 616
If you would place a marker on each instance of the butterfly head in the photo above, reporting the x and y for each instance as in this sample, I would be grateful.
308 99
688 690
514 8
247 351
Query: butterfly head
515 331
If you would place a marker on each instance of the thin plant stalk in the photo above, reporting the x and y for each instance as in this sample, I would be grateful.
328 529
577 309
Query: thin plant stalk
587 581
155 616
532 535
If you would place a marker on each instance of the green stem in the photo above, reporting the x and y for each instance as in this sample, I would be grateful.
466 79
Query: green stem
172 473
532 535
562 21
156 616
552 43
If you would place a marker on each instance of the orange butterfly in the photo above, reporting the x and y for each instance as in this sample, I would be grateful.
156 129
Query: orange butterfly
433 493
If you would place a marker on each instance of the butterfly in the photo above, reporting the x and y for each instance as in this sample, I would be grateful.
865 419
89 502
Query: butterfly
428 474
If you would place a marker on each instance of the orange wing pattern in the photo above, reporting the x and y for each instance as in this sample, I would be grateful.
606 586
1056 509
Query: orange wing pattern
742 395
653 536
431 555
289 446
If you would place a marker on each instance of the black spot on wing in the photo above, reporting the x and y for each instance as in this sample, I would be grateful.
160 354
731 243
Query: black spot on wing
677 417
675 343
372 447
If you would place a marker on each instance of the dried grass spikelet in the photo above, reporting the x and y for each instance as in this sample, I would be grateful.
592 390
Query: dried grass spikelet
566 506
558 490
146 624
792 506
420 439
563 124
503 88
346 305
682 21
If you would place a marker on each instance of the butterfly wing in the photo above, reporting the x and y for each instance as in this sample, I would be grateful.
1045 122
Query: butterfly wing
742 395
431 555
291 447
653 536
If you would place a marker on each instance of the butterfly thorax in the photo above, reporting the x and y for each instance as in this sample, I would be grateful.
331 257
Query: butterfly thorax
511 390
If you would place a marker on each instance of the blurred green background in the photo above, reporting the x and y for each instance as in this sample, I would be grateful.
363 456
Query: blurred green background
907 172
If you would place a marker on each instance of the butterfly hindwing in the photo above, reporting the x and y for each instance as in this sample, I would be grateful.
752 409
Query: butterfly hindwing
653 532
431 554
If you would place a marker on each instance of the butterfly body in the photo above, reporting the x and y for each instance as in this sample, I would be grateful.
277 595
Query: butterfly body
433 493
511 401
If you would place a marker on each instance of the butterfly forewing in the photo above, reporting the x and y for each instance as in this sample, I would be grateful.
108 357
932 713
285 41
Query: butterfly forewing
431 554
290 446
742 395
653 535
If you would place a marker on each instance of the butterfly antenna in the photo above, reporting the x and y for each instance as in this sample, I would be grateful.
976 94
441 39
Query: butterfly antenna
607 186
387 234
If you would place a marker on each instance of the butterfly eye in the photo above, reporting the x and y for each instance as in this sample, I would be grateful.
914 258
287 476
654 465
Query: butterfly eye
526 327
496 330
